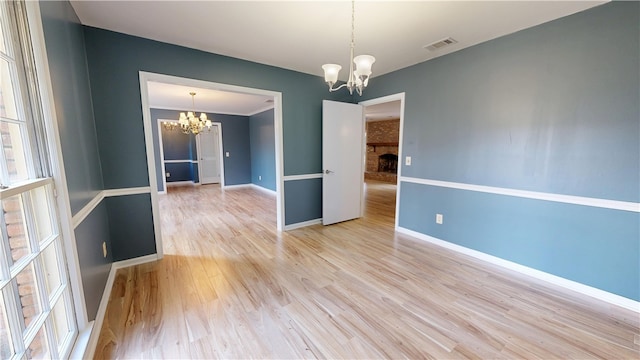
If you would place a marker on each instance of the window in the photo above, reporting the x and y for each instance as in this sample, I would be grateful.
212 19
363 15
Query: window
36 309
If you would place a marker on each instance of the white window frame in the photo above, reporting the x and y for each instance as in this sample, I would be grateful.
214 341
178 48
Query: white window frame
56 162
58 180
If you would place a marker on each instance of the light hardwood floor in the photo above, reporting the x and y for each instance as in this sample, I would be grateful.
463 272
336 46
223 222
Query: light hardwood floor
230 286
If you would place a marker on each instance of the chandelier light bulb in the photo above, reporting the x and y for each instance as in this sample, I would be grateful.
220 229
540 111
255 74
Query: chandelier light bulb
363 64
331 73
190 124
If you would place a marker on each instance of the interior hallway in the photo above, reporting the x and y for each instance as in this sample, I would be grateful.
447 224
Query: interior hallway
230 286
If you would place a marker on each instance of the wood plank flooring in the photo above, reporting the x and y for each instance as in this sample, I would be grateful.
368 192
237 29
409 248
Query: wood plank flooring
230 286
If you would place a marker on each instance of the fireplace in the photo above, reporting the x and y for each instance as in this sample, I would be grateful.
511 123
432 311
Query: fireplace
382 151
388 163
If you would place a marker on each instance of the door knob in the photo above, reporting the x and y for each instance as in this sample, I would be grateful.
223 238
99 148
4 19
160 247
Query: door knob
328 172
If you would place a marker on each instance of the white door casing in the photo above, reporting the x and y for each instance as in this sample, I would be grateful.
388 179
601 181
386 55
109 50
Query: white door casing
144 78
342 161
209 159
382 100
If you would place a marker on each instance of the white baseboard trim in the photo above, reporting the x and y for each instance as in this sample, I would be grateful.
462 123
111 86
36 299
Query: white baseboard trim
263 189
181 183
135 261
541 275
102 308
302 224
238 186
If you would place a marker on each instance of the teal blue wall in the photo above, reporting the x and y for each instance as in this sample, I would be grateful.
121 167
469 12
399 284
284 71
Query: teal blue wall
552 109
263 149
235 141
64 38
593 246
130 221
178 146
549 109
303 200
114 64
94 267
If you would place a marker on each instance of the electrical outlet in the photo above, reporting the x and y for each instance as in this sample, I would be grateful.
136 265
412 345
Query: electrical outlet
226 154
439 219
168 174
407 161
104 249
259 177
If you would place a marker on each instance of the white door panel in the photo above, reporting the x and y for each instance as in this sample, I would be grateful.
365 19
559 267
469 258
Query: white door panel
209 157
342 161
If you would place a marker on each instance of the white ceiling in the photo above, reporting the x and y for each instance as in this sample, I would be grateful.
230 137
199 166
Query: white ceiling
303 35
176 97
385 111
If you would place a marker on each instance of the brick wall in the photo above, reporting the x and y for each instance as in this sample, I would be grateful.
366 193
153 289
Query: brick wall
19 247
381 132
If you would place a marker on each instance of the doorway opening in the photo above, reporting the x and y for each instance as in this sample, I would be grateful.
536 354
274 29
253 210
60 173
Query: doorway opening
156 173
384 119
185 159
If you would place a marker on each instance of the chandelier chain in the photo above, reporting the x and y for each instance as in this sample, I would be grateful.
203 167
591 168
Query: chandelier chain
353 22
358 79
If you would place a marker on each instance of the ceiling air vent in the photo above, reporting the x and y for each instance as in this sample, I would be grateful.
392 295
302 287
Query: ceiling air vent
440 44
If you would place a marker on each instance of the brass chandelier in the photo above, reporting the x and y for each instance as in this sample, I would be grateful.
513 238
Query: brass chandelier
189 123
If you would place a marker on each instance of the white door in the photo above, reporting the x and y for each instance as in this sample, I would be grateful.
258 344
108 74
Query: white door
209 156
342 161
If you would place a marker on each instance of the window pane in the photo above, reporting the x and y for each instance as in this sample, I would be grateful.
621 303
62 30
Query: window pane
7 100
2 46
41 212
6 346
39 348
49 258
14 151
16 229
61 324
28 295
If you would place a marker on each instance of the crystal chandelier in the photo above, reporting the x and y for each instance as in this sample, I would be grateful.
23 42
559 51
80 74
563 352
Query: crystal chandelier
359 78
169 125
189 123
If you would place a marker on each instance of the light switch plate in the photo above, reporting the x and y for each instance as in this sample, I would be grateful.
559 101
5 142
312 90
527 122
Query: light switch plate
407 161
